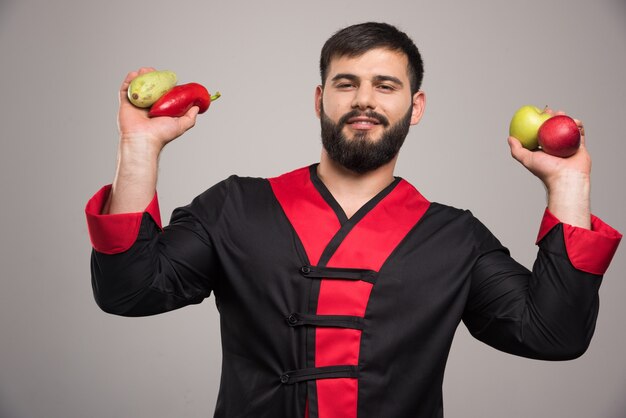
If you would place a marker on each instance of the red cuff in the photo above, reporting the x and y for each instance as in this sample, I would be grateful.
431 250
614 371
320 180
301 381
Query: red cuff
589 250
113 234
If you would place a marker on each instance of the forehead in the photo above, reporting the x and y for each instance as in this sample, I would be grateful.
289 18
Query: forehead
375 62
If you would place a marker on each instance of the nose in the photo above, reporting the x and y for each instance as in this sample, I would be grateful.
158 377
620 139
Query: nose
363 98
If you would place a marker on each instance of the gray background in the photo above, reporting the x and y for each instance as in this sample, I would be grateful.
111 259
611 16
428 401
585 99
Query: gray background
61 63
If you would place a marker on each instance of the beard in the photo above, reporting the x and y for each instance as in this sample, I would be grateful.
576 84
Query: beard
362 154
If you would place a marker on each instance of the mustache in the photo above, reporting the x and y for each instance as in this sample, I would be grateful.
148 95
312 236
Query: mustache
368 114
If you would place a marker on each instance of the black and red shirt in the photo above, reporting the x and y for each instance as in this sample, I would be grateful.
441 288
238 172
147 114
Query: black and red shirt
325 316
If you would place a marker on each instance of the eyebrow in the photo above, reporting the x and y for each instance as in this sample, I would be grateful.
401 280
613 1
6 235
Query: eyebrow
345 76
352 77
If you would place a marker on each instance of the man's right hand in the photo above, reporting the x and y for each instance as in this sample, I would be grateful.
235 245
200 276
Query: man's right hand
141 140
135 126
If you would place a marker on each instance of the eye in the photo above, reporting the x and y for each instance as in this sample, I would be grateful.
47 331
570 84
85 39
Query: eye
345 85
386 87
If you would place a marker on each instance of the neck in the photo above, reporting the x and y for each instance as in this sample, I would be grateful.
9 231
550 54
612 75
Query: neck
352 190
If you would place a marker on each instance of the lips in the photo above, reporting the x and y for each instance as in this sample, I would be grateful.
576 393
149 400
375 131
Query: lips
362 120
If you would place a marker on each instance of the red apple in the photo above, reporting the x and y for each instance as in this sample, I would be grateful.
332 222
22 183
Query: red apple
559 136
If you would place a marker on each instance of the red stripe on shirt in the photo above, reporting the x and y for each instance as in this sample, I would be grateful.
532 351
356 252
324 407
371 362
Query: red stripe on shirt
367 246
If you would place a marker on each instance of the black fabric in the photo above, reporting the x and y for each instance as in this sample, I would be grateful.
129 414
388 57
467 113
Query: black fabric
234 240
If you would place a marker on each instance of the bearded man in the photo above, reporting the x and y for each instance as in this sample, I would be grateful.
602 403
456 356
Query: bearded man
339 285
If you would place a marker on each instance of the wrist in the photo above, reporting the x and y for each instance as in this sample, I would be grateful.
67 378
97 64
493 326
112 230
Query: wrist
135 179
137 160
569 198
569 182
140 145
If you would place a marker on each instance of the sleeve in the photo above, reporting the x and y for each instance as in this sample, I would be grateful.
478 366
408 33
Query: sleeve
548 313
139 268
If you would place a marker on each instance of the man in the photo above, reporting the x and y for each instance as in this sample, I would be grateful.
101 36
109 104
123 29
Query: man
339 285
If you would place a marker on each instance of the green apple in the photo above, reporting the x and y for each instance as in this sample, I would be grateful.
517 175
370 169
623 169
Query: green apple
525 125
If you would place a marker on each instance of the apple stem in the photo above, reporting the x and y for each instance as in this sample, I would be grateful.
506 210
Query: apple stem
216 96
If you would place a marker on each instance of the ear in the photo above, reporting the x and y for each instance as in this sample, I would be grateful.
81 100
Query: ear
419 103
319 92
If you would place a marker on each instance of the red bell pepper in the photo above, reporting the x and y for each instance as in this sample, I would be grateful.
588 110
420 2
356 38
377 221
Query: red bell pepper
180 99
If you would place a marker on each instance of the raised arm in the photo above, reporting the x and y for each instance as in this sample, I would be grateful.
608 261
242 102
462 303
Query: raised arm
137 267
550 312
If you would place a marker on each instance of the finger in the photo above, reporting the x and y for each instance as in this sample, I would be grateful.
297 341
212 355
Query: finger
144 70
129 77
123 93
188 120
518 152
581 128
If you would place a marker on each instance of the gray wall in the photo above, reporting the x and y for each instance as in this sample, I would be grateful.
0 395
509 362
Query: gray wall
61 63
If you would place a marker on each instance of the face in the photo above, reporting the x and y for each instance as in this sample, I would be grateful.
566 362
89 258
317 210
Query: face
366 108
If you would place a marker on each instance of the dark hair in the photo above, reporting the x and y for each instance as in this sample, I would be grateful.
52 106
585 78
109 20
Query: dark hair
357 39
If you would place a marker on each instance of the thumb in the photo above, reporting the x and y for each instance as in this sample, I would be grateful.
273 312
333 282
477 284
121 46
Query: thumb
188 120
518 152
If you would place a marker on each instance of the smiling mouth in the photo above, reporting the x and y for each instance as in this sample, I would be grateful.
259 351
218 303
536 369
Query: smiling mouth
362 122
